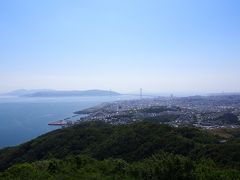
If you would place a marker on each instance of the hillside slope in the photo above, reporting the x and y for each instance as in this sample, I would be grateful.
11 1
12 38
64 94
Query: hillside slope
130 142
142 148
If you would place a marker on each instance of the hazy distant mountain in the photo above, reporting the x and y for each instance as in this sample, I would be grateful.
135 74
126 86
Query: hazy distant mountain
23 92
54 93
224 94
16 92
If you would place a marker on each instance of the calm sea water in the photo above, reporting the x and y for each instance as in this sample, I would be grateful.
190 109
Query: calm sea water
22 119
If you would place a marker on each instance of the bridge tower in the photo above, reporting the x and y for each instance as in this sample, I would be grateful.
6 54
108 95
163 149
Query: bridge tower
141 93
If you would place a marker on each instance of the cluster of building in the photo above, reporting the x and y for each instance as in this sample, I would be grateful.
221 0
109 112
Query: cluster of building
200 111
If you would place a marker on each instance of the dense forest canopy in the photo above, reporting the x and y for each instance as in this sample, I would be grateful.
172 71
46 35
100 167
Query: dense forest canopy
142 150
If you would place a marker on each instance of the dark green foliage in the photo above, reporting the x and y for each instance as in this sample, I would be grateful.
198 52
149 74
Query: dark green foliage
141 150
24 171
225 154
163 166
228 118
159 166
207 169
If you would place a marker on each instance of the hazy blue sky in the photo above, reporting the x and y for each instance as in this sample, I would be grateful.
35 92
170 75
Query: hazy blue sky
161 46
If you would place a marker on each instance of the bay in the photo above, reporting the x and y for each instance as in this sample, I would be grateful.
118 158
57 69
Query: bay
22 119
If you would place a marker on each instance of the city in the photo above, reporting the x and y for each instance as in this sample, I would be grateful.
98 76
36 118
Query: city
201 111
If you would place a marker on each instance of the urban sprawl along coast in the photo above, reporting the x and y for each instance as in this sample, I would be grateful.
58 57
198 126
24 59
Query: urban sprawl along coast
209 112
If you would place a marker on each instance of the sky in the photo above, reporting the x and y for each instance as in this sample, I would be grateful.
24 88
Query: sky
161 46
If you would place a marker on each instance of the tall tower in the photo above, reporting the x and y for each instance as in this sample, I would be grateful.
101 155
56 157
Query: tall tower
141 95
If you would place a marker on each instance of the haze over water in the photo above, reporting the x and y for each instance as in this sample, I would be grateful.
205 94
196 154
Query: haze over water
159 45
22 119
168 46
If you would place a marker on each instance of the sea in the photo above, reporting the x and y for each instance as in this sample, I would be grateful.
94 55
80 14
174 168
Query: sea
25 118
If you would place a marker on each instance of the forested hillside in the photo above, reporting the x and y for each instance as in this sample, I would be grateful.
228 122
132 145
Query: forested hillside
142 150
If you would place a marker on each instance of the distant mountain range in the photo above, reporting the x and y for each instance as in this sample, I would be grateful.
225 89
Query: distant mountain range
55 93
225 94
